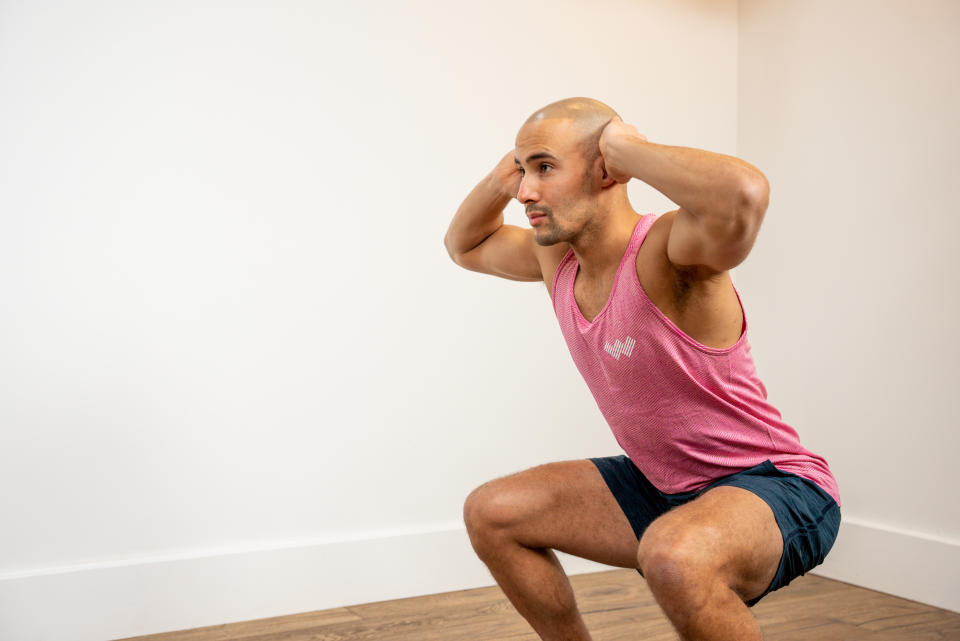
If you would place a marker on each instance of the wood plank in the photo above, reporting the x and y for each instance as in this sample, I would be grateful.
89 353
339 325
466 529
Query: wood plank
617 605
241 630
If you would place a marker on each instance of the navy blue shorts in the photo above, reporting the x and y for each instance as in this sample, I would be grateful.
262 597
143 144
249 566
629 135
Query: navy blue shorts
808 517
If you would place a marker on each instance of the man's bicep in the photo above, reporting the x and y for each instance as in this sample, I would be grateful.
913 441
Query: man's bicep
508 253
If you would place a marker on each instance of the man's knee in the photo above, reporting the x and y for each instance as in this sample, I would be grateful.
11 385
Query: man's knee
679 563
489 508
473 508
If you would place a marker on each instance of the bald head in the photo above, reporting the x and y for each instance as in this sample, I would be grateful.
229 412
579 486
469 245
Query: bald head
587 112
587 116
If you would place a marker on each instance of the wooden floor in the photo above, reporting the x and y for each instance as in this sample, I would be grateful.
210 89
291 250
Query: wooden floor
616 605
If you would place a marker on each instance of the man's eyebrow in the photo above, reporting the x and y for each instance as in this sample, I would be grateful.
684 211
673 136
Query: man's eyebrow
536 156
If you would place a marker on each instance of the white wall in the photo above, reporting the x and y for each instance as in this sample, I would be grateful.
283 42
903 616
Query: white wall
853 287
241 377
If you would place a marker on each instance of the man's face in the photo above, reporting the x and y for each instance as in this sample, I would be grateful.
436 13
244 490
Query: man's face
556 179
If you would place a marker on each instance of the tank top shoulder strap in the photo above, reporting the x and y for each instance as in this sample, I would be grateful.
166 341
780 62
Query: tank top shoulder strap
566 270
558 274
639 233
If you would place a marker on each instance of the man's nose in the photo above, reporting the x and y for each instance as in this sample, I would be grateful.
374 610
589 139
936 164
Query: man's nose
527 192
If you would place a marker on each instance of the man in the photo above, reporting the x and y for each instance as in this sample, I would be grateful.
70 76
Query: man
715 502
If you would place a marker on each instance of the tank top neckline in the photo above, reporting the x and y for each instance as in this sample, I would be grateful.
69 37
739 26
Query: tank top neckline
616 279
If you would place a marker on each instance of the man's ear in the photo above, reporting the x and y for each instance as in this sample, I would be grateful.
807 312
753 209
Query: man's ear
601 171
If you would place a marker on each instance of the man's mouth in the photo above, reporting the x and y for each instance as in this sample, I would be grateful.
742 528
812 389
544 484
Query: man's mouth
537 218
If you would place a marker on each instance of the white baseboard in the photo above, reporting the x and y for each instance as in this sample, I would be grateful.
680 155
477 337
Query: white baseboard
911 565
113 601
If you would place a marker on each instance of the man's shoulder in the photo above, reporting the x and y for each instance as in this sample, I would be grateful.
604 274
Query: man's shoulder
679 289
654 260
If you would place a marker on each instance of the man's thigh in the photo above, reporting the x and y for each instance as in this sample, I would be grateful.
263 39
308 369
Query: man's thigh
726 532
564 506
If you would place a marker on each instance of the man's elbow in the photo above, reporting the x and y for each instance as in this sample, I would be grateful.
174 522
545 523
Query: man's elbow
756 194
446 245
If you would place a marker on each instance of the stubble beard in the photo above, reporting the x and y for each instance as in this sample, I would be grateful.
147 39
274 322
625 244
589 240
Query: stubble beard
547 237
547 233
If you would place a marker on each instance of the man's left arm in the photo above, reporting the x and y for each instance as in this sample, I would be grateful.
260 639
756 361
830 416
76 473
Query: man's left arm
722 199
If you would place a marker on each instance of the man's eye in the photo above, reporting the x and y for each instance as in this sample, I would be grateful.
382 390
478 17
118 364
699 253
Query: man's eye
542 165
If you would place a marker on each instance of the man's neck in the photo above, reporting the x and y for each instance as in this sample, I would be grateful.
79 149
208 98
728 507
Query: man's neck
599 250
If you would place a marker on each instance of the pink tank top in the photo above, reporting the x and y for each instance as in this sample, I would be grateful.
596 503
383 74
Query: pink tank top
686 414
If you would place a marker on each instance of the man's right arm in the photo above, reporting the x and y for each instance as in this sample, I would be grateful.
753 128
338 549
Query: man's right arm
478 240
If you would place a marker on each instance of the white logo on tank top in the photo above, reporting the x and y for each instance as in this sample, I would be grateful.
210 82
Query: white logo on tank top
618 348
